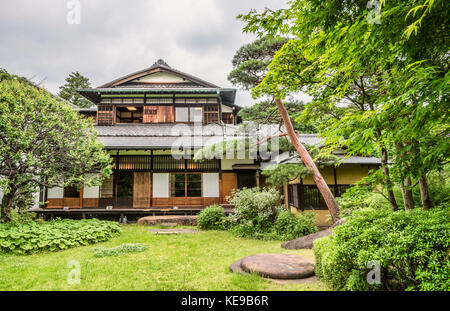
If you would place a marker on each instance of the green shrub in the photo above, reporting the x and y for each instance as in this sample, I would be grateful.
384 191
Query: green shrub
120 250
289 226
412 248
55 235
18 216
255 207
259 215
211 218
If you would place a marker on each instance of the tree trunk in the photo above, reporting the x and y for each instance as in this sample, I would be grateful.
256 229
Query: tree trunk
387 179
407 195
6 205
426 202
309 163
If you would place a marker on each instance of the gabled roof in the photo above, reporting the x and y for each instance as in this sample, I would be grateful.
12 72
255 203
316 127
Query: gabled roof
132 79
160 78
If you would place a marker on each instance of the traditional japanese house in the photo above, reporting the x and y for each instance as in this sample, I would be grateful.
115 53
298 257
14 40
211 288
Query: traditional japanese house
151 122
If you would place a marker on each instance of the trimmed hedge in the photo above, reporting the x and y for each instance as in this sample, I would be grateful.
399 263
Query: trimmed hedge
412 248
55 235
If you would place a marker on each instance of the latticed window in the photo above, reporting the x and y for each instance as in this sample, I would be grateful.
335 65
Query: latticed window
105 115
227 118
164 163
211 114
308 197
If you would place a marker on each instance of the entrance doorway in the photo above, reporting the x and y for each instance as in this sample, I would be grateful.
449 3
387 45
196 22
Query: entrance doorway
246 179
124 190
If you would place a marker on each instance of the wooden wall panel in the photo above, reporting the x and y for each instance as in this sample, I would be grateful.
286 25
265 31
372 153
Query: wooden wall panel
210 201
55 203
72 202
162 202
90 203
158 114
141 190
229 182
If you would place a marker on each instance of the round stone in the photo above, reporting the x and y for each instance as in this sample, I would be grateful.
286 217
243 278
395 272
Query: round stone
278 266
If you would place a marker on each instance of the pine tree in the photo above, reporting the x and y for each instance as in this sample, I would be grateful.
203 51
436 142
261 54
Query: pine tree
68 91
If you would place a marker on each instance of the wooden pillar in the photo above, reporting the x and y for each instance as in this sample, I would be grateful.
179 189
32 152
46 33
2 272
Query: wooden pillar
335 182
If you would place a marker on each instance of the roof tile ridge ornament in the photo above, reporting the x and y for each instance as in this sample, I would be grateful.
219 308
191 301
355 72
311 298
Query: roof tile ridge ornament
160 62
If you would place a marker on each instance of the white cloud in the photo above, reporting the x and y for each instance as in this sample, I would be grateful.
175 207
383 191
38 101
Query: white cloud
117 37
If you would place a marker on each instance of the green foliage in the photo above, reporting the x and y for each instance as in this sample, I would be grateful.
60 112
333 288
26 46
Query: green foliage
279 174
289 226
257 216
373 85
119 250
282 173
68 91
55 235
20 216
266 112
251 60
211 218
412 248
255 205
45 142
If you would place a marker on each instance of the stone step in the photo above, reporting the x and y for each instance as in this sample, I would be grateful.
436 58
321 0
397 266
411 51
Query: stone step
275 266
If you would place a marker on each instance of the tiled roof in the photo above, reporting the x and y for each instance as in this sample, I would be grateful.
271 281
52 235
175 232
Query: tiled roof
344 159
153 136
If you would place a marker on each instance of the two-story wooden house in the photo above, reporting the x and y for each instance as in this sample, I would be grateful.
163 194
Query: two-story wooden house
151 122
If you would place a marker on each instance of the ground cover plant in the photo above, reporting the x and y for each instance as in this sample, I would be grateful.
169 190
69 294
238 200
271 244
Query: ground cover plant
55 235
412 248
120 250
171 262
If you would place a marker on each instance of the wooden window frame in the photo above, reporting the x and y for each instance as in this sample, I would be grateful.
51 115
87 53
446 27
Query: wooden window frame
186 184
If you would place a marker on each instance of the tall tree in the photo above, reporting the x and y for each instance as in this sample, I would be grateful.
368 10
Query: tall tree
250 65
44 142
68 91
250 62
394 72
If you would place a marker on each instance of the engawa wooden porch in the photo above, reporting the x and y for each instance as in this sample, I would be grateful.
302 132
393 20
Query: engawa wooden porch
132 214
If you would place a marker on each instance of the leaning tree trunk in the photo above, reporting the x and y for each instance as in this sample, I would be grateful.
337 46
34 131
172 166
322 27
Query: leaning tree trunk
387 179
309 163
424 196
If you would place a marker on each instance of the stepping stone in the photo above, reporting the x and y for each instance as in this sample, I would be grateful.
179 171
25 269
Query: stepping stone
275 266
156 220
172 231
168 224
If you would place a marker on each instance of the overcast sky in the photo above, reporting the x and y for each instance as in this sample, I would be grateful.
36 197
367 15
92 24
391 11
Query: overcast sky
117 37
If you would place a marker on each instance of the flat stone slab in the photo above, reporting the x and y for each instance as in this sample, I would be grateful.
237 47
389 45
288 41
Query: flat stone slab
180 220
168 224
275 266
306 242
172 231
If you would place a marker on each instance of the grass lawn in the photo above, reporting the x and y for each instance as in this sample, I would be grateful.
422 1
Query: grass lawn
171 262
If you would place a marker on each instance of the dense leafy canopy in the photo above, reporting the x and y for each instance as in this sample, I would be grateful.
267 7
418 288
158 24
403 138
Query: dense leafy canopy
44 143
378 86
